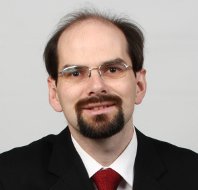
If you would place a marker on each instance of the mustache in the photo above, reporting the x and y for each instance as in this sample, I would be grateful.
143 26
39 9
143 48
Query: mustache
98 99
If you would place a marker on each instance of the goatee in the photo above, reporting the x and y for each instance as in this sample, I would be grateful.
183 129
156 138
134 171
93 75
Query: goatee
100 126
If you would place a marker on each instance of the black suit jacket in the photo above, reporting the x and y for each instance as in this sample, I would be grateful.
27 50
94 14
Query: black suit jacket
52 163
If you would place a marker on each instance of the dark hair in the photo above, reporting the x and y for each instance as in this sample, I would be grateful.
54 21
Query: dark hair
132 32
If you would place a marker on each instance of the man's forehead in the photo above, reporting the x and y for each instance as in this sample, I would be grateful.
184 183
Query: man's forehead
89 25
92 41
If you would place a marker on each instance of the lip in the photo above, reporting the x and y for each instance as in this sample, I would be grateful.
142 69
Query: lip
98 105
98 108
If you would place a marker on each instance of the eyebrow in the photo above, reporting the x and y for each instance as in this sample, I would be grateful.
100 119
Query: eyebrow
117 60
113 61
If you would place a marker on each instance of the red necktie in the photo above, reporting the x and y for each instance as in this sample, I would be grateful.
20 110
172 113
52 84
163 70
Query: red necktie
107 179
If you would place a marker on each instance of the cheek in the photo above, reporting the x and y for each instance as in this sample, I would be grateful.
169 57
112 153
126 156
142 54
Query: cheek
68 97
125 88
129 98
68 94
128 95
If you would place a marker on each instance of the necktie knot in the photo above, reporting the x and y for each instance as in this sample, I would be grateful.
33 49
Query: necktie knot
107 179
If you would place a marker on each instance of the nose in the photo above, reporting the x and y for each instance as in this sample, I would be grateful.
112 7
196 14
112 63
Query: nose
94 68
96 84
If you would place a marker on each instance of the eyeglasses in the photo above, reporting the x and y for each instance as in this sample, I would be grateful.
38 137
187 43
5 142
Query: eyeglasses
108 70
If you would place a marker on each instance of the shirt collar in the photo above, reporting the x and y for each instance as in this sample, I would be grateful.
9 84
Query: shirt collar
124 164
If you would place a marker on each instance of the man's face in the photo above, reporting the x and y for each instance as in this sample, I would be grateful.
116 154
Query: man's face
97 107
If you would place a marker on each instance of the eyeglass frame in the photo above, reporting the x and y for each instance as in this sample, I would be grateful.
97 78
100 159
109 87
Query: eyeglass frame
118 60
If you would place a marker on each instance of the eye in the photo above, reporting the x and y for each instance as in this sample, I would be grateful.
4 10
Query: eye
112 69
75 73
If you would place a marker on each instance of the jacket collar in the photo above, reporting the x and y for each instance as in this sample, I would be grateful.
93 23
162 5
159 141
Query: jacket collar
148 169
71 174
67 165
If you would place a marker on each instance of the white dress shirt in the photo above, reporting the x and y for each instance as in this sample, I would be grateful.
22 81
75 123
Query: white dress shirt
124 164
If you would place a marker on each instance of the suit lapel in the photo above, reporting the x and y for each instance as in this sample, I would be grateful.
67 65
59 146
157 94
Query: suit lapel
67 165
148 168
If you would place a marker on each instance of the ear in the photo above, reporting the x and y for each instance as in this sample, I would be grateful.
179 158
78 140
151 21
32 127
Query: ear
53 96
140 86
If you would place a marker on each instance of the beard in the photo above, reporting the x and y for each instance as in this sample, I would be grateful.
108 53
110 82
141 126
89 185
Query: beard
102 125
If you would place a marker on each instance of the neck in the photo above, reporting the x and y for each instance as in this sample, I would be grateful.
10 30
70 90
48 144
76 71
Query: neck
105 151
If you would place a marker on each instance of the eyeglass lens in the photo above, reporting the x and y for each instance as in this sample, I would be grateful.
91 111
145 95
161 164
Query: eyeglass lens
107 70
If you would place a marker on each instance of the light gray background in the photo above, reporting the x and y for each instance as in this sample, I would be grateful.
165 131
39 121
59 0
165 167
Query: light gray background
169 111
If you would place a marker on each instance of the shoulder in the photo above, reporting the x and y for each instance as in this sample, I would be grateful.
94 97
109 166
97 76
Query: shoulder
180 163
22 156
28 160
35 150
172 166
28 166
166 150
174 154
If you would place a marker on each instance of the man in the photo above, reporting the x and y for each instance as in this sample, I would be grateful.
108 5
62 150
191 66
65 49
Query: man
96 76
